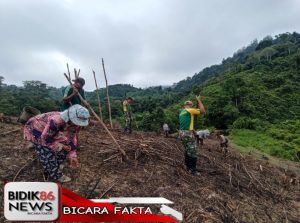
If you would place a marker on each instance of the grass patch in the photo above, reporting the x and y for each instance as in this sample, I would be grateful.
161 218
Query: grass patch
249 139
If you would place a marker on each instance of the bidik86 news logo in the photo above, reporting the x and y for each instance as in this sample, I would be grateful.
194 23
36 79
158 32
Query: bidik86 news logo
25 201
46 201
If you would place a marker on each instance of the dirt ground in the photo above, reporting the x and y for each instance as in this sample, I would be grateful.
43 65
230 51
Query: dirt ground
235 188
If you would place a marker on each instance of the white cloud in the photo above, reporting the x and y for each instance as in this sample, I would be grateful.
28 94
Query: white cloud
144 43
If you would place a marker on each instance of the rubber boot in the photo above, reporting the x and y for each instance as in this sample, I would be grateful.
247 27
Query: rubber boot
187 161
193 164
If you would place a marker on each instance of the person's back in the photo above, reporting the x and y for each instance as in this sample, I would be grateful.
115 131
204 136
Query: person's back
166 127
186 118
187 133
53 147
126 106
166 130
203 134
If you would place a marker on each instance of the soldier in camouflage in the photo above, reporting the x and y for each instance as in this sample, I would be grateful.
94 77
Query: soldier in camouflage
128 114
187 133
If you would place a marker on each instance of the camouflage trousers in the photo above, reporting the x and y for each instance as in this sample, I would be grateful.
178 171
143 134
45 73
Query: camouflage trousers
128 120
189 143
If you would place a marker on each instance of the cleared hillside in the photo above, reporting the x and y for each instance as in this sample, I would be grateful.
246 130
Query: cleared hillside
236 188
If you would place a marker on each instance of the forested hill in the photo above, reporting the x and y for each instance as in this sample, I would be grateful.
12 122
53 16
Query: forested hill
257 89
281 45
255 94
261 82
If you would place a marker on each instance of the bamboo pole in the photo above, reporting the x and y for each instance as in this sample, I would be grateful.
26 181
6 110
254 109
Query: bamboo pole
98 96
108 101
75 72
69 73
97 117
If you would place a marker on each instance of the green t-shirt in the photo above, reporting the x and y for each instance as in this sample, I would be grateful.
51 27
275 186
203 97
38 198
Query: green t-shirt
75 99
186 118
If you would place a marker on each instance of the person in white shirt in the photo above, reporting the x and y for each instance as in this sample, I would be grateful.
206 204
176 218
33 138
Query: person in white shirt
166 129
201 135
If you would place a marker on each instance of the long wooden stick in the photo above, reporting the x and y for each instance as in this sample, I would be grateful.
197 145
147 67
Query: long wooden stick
78 72
98 96
69 73
75 72
107 94
97 117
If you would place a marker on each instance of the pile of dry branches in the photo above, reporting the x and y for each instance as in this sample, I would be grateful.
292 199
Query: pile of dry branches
232 188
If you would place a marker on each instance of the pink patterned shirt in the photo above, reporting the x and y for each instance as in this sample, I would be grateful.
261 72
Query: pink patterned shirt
47 130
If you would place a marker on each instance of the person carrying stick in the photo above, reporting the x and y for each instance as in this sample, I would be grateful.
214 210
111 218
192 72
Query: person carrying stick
70 94
187 134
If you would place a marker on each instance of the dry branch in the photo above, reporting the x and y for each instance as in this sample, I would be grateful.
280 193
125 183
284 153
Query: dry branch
11 131
75 73
23 167
108 189
93 189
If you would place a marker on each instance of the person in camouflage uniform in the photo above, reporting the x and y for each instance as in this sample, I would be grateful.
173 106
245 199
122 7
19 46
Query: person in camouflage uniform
127 114
187 133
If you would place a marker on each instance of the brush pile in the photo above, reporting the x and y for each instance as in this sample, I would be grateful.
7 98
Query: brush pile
235 188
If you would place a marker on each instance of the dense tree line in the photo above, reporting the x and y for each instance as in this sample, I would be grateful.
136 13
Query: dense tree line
257 88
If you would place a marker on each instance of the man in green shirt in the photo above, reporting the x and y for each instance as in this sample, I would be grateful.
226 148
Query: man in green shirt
71 94
187 133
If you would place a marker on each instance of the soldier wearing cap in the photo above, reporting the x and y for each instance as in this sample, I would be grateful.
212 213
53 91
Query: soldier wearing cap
127 114
187 134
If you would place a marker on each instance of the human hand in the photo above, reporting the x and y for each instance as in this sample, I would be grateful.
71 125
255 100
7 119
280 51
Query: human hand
74 163
75 90
198 97
61 146
67 148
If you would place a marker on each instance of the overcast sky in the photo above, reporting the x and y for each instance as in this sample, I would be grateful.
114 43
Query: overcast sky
143 42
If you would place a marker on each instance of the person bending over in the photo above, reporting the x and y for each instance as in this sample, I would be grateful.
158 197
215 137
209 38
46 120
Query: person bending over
46 130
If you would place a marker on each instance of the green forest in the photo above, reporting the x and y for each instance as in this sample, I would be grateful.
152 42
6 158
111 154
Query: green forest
254 95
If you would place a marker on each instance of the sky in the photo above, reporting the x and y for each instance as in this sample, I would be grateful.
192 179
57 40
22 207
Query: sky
143 42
